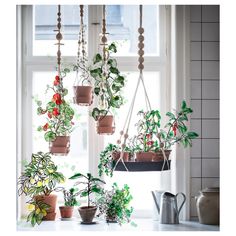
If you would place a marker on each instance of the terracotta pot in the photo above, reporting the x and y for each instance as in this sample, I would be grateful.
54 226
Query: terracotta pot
159 156
105 125
87 213
83 95
207 204
66 211
144 156
50 200
60 146
116 156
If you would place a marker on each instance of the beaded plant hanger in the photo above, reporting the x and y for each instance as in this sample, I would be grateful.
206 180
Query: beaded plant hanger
124 133
82 85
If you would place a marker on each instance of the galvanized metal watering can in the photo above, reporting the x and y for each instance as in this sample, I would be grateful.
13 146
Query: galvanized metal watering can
166 204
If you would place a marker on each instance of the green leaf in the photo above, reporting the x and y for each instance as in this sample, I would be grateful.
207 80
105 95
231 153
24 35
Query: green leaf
49 136
112 47
77 175
84 194
97 58
171 115
183 105
99 180
96 189
114 70
192 135
96 90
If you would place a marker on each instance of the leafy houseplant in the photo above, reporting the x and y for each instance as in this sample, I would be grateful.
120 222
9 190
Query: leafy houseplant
114 204
108 157
107 87
38 181
59 115
69 202
92 185
152 139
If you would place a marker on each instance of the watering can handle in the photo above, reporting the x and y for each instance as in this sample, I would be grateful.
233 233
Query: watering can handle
184 199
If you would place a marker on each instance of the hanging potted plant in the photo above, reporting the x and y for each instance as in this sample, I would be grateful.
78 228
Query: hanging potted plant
59 115
153 143
114 204
69 202
92 185
109 156
83 89
108 88
38 182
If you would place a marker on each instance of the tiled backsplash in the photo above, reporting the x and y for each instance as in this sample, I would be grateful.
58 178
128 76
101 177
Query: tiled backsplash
204 49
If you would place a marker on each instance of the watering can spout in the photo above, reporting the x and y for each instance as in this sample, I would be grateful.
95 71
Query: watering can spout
156 201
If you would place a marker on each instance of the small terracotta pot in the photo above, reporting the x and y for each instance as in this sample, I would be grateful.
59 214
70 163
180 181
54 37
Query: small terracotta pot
66 211
116 156
105 125
144 156
158 156
50 200
83 95
87 213
60 146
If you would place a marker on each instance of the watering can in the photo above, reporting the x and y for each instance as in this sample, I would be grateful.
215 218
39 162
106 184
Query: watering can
167 207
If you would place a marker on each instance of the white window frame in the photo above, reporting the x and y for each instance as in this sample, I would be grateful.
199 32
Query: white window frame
32 63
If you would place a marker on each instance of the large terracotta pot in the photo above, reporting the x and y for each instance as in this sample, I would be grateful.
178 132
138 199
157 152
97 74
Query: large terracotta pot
105 125
159 156
83 95
87 213
60 146
50 200
116 156
144 156
207 204
66 211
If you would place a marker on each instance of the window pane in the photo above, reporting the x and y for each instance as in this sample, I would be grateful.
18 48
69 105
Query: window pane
45 20
123 24
77 159
141 183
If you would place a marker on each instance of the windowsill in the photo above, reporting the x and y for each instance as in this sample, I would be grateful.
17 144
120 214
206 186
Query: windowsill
142 225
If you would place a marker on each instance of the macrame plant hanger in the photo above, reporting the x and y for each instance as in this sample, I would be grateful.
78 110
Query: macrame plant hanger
83 96
124 133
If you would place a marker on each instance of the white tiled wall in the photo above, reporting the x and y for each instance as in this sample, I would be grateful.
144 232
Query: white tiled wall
204 67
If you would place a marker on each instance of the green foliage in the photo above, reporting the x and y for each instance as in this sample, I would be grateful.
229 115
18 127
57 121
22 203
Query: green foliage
58 112
151 136
92 185
114 204
70 197
40 176
108 86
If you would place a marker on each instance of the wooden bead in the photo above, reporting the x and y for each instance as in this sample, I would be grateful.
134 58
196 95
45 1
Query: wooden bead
121 132
59 36
141 60
140 52
141 30
141 66
118 141
104 39
123 145
141 45
161 145
141 38
126 135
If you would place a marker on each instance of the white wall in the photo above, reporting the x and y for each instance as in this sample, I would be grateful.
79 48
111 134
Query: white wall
204 72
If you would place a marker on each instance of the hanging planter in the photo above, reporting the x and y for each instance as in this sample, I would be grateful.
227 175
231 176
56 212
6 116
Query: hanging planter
108 84
59 114
83 90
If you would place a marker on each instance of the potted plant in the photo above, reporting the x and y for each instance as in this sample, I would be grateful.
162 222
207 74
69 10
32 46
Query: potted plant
92 185
59 115
108 88
114 204
109 156
152 140
38 181
69 202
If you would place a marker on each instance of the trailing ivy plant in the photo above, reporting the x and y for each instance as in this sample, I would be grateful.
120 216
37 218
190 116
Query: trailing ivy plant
151 137
58 112
108 83
92 185
40 177
114 204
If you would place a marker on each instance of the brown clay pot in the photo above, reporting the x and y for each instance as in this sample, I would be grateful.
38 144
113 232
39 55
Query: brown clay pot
66 211
60 146
87 213
158 156
105 125
207 204
50 200
116 156
144 156
83 95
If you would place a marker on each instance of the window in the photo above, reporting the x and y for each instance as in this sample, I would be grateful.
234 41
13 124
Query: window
39 68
